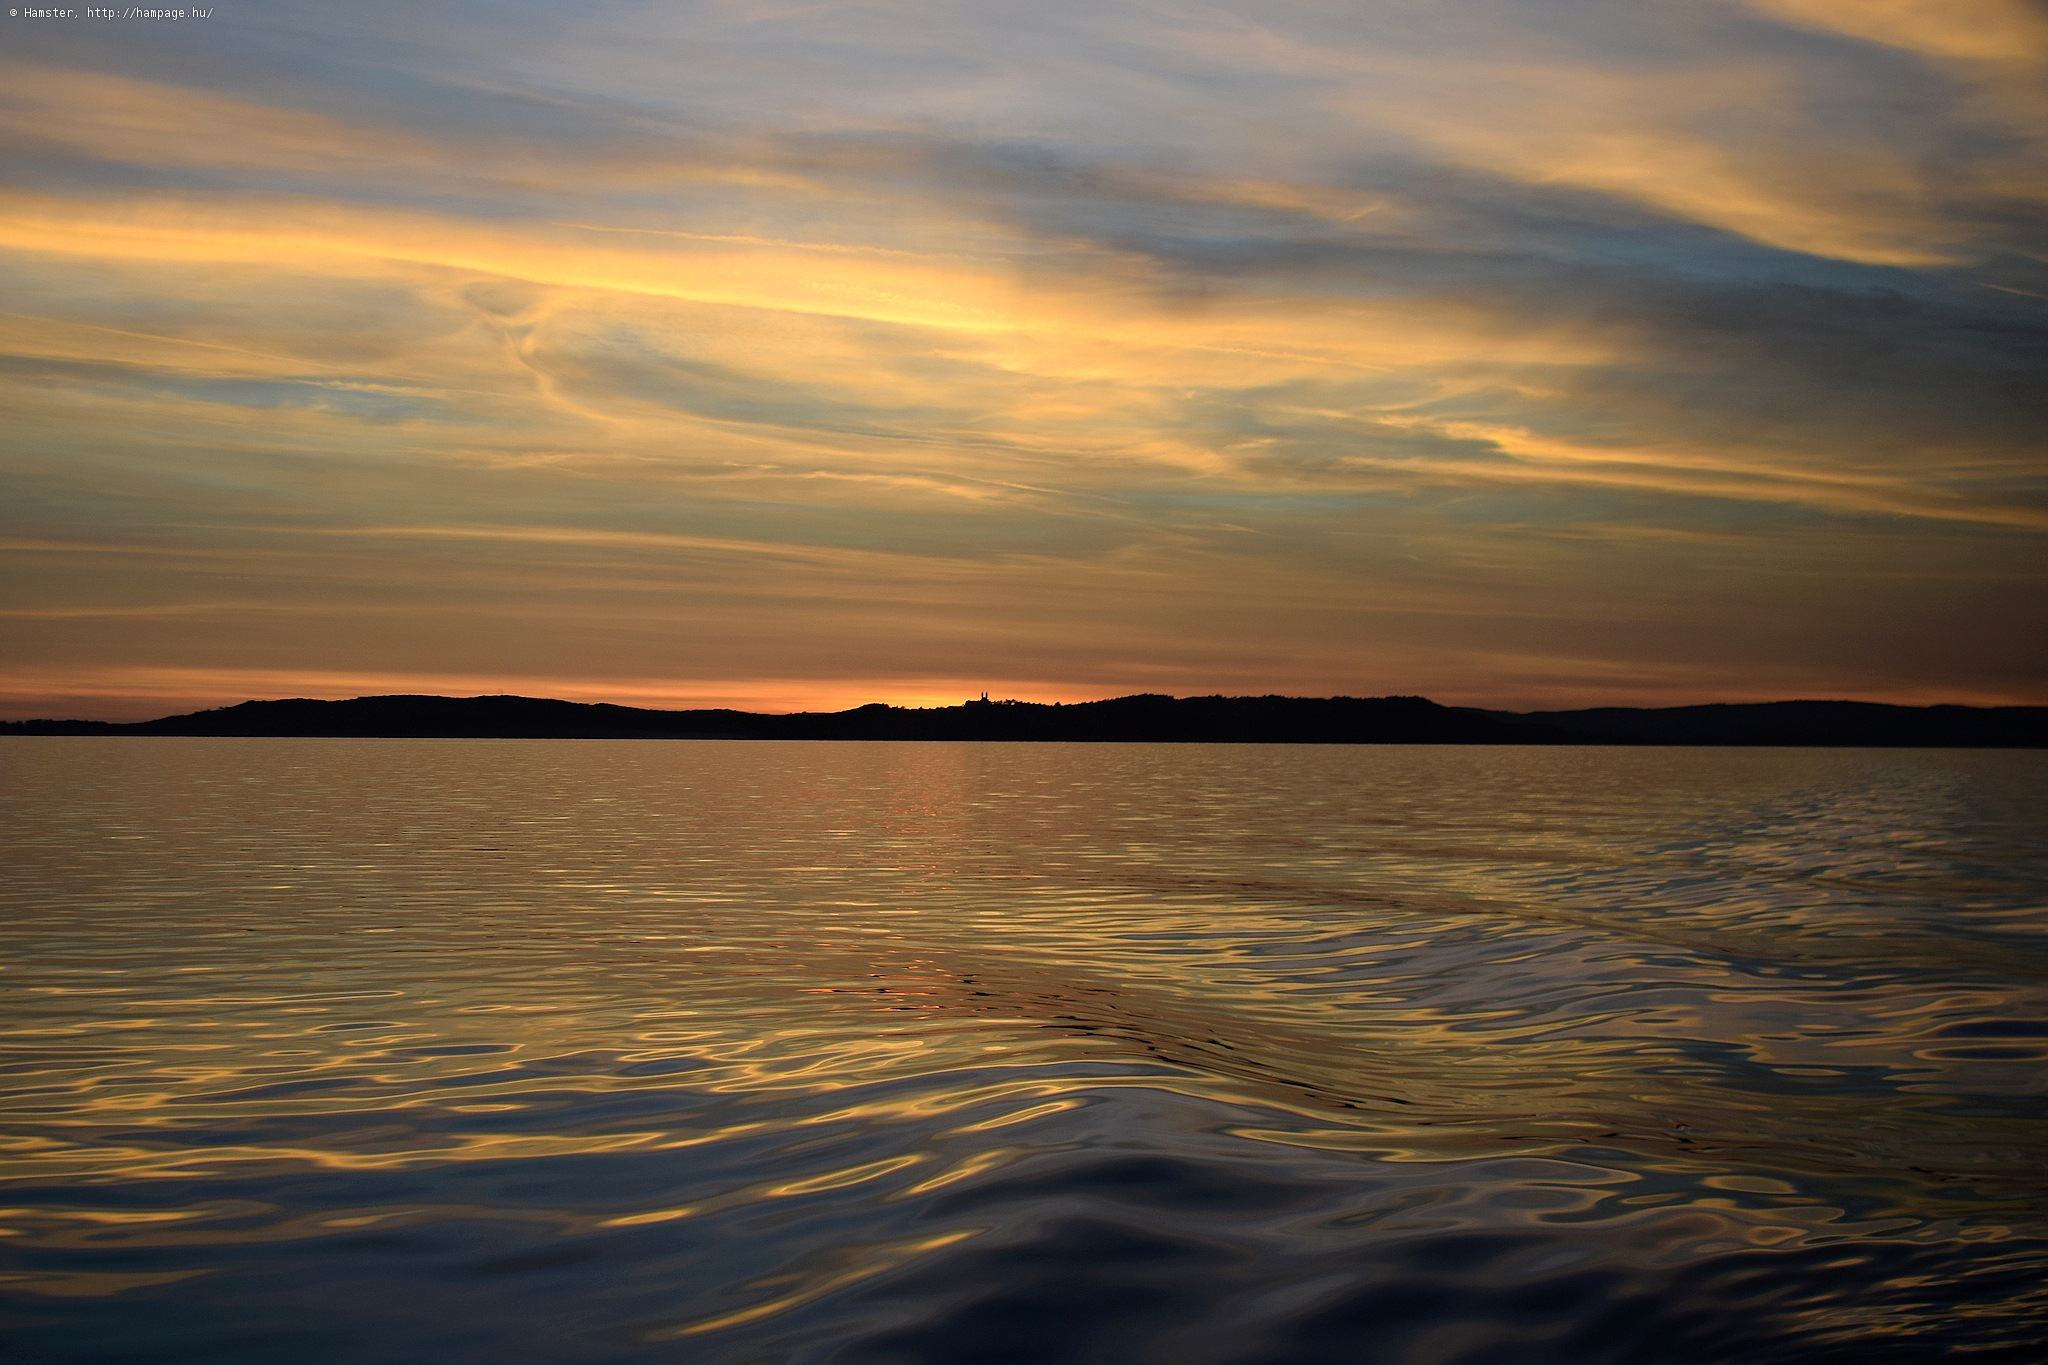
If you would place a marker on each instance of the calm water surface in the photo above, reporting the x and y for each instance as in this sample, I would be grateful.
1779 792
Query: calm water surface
372 1052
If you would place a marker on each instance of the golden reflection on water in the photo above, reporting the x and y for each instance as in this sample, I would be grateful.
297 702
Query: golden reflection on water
1704 1003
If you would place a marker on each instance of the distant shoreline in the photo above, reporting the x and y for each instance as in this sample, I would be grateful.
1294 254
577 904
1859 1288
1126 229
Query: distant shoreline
1145 718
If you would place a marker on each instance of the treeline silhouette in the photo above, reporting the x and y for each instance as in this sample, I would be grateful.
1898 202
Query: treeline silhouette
1146 718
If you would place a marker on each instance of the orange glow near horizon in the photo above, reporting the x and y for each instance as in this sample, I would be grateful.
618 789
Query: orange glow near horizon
145 694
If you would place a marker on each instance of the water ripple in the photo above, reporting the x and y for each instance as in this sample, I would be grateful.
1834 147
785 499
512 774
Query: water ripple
376 1051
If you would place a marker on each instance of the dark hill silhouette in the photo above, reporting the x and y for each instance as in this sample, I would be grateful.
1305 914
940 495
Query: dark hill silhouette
1843 724
1145 717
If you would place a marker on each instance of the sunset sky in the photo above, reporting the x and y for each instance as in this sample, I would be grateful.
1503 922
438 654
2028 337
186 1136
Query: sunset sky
1511 352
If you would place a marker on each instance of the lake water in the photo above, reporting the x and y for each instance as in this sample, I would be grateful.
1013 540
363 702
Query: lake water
373 1052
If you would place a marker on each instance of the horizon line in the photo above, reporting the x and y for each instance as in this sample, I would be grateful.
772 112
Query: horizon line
985 700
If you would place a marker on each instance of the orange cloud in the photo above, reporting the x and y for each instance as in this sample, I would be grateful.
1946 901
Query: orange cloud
1998 31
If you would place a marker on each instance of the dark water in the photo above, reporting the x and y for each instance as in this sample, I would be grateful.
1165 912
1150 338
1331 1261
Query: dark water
414 1051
